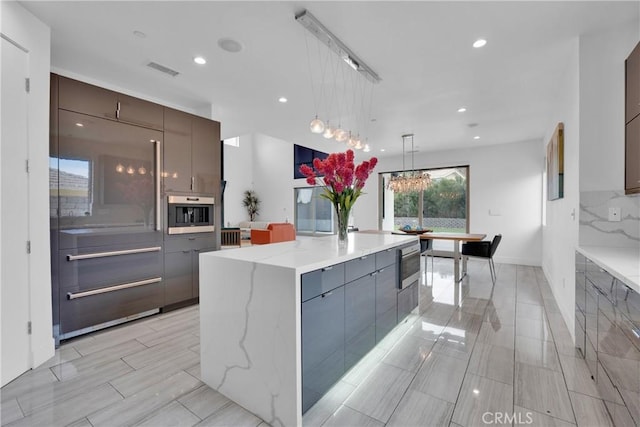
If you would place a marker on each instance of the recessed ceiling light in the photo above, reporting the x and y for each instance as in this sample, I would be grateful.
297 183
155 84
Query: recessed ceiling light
79 125
139 34
476 137
479 43
282 99
199 60
462 109
382 149
230 45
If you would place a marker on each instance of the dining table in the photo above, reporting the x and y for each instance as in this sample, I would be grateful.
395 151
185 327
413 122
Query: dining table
456 238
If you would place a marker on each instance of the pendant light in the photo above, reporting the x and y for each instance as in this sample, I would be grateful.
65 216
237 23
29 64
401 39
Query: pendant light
411 181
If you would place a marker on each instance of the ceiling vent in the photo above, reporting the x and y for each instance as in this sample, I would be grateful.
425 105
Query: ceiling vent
163 69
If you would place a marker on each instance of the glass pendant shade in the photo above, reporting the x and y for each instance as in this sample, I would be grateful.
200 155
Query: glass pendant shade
358 145
316 125
329 132
409 182
341 135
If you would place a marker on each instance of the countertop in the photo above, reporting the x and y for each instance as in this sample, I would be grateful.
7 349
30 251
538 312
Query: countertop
308 253
622 263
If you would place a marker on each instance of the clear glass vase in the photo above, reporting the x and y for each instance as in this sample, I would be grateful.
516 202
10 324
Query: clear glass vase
343 221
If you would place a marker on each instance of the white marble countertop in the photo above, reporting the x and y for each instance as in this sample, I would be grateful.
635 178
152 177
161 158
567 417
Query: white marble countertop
308 253
622 263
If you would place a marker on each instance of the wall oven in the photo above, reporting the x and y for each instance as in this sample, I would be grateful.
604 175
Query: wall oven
189 214
409 265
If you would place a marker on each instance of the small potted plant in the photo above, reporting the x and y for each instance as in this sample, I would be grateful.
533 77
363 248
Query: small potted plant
251 203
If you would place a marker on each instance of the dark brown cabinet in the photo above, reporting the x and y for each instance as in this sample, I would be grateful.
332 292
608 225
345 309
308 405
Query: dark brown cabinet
99 102
191 153
632 120
632 156
632 85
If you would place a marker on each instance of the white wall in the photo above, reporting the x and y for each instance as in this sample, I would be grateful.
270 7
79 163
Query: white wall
28 31
238 172
602 103
560 234
505 179
273 178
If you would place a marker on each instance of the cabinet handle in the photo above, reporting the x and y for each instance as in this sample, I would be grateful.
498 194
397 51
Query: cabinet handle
192 183
158 182
374 273
364 257
381 270
327 268
118 110
113 253
192 238
75 295
326 294
186 252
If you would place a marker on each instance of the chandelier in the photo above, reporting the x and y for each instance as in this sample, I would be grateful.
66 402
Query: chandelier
409 181
344 103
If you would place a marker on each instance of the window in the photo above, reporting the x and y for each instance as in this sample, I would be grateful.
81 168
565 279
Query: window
443 206
314 214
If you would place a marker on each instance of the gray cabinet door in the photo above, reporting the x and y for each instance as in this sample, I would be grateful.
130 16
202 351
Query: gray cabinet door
360 319
178 276
322 344
205 152
407 300
386 301
176 174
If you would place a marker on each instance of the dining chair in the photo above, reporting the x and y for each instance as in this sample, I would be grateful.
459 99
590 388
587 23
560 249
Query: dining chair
483 249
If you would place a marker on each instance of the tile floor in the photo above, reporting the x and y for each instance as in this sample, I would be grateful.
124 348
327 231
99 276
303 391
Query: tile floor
476 354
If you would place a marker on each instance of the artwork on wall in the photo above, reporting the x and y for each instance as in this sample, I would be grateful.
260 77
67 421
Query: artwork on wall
304 156
555 164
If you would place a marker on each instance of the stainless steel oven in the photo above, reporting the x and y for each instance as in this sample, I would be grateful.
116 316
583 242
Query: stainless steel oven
409 265
189 214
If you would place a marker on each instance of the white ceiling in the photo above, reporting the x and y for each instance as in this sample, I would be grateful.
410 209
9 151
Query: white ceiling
421 50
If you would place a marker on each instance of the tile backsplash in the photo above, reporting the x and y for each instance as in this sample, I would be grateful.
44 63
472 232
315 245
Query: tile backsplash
596 229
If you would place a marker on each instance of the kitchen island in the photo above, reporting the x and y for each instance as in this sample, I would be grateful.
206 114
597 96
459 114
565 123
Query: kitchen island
273 314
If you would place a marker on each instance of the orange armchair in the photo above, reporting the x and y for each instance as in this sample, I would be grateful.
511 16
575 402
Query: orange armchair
275 232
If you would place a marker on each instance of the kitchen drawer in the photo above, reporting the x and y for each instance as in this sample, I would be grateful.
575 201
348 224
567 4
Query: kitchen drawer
173 244
104 269
386 257
93 310
320 281
359 267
